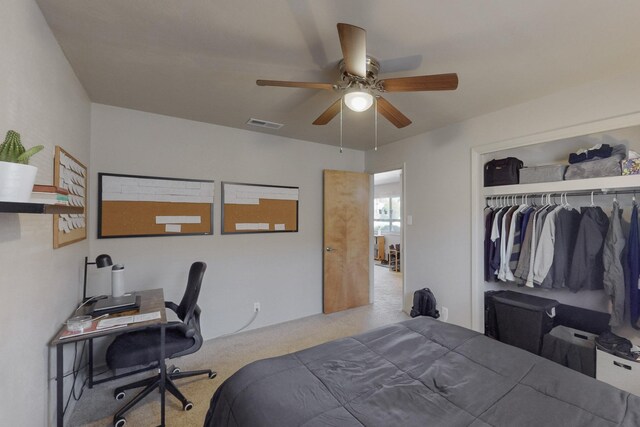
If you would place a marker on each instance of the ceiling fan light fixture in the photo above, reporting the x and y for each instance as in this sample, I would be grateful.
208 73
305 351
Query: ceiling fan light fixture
358 101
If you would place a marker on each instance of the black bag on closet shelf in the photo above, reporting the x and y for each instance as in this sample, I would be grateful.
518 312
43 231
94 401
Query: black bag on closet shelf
424 304
502 172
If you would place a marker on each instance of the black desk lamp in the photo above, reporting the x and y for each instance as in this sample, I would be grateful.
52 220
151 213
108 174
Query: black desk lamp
103 260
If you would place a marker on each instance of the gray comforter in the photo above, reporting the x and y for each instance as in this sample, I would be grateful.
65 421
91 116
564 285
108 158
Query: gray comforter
420 372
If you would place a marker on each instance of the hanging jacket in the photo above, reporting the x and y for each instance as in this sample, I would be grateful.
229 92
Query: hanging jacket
613 278
587 269
567 223
633 267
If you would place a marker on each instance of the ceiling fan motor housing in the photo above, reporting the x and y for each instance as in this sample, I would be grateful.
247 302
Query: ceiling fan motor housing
370 81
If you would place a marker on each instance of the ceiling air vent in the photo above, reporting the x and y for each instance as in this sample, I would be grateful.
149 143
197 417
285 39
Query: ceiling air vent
264 124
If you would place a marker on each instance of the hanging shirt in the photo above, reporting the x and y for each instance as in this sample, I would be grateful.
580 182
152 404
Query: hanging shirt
523 216
633 263
495 238
613 278
522 270
545 247
586 264
538 222
504 236
488 222
505 272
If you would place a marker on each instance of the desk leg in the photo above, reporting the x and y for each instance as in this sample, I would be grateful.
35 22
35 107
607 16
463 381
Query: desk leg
90 363
59 386
163 370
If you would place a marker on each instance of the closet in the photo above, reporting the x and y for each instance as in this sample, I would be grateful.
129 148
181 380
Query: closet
552 149
595 194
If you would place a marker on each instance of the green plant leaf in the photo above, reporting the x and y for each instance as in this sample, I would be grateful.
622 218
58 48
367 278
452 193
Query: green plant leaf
24 157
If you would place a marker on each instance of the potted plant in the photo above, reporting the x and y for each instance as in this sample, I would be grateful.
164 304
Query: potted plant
16 175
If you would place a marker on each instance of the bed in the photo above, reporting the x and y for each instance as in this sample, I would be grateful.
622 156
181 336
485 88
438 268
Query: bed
416 373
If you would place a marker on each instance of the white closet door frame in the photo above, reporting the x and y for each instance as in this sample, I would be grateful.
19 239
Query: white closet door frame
477 195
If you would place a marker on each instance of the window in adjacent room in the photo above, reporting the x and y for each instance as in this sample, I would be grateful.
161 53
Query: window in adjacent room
386 215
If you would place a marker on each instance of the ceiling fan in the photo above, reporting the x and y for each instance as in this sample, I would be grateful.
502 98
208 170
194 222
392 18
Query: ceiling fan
360 84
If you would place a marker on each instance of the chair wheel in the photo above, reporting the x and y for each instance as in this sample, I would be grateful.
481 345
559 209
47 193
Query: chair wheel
175 370
188 406
119 396
212 375
120 422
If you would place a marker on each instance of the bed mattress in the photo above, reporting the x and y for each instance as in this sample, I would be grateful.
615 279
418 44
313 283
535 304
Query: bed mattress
416 373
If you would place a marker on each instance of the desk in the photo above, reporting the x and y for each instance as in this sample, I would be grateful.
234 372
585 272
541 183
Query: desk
150 301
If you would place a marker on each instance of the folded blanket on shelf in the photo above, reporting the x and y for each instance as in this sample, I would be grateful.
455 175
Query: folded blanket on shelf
598 168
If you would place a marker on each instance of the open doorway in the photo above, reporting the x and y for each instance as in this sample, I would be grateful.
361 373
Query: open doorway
388 248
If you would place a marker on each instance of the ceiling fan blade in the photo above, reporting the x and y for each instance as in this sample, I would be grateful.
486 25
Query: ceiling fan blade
306 85
419 83
329 113
391 113
353 41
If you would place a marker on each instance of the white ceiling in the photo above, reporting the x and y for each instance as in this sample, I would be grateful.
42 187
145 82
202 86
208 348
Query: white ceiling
199 59
389 177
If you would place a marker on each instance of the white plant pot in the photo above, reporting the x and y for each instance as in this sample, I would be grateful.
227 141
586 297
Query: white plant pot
16 181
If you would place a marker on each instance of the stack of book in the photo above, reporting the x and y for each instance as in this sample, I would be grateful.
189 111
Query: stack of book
49 195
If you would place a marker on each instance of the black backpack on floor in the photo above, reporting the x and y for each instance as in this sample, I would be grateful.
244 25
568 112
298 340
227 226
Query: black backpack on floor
424 304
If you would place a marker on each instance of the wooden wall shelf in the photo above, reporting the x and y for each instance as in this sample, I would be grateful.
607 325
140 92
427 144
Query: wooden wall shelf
38 208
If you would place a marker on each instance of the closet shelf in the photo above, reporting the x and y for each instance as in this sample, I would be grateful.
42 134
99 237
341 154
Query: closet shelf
38 208
606 184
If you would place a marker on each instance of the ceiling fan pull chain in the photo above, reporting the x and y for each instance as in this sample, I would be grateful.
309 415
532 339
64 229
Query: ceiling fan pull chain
375 115
341 125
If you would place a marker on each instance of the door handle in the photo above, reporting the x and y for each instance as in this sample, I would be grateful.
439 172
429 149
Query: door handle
329 249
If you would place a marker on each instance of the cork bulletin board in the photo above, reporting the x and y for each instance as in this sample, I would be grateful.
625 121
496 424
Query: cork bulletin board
70 174
253 208
141 206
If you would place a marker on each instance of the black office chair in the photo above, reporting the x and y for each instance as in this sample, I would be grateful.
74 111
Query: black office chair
143 347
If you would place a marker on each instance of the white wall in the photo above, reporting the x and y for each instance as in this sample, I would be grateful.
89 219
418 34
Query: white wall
438 180
41 98
282 271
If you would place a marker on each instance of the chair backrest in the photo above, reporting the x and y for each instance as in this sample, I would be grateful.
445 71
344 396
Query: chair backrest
190 298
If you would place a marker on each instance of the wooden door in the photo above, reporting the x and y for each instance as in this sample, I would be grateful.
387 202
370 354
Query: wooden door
346 240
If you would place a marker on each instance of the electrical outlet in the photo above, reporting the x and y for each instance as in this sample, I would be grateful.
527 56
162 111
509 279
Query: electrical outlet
444 314
256 307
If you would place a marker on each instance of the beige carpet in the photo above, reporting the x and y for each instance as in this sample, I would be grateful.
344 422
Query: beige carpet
228 354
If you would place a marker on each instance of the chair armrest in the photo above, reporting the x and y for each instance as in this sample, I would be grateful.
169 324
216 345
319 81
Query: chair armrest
184 329
171 305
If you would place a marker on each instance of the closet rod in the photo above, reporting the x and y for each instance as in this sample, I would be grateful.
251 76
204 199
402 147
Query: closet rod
600 192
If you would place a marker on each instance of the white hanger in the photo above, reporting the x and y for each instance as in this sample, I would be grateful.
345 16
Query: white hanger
592 204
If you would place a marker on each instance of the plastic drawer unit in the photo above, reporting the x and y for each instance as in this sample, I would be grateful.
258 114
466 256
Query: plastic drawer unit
617 371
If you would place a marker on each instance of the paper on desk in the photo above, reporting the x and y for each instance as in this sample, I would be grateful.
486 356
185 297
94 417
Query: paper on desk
125 320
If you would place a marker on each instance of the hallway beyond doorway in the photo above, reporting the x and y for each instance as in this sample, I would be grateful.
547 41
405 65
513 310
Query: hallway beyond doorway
387 288
388 231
